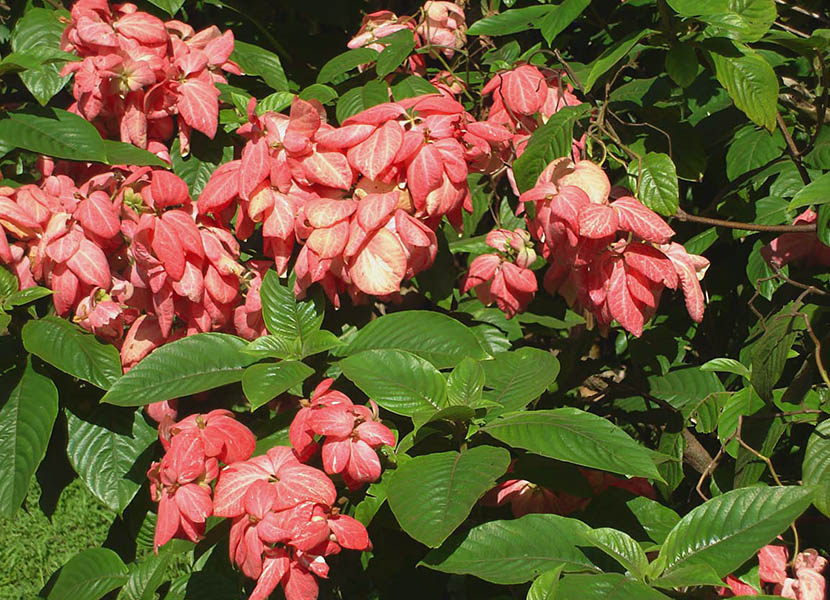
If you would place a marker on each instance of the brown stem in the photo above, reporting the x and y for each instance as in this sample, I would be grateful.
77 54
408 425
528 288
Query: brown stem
682 215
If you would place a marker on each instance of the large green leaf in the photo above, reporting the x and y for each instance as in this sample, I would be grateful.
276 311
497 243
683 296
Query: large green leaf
752 148
38 31
658 188
89 575
398 47
605 586
681 64
560 17
262 383
744 20
284 315
122 153
53 132
510 21
546 586
729 529
685 388
816 469
399 381
552 140
440 339
108 451
187 366
146 576
171 7
345 62
769 353
750 82
656 519
575 436
817 192
465 383
257 61
63 345
609 58
431 495
621 547
514 551
516 378
26 420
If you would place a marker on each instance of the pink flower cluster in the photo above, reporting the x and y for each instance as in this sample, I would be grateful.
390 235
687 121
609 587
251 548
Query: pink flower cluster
809 581
363 199
125 249
138 72
284 518
610 258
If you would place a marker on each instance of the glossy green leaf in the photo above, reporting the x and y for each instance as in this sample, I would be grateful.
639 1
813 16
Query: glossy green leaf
510 21
691 574
744 20
817 192
26 419
612 55
412 86
621 547
345 62
465 383
656 519
64 346
816 468
575 436
752 148
725 365
400 45
684 388
750 82
514 379
262 383
513 551
284 315
546 586
53 132
433 336
431 495
122 153
108 450
552 140
8 283
89 575
769 354
38 31
26 296
560 17
146 576
171 7
187 366
727 530
658 187
254 60
399 381
606 586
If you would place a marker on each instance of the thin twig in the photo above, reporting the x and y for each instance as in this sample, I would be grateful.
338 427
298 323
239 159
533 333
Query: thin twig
682 215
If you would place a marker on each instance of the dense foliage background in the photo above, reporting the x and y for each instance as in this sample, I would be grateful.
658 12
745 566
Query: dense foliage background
625 466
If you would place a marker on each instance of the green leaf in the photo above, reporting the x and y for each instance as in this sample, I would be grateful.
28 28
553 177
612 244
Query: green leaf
108 451
750 82
26 420
433 336
262 383
171 7
272 346
373 93
769 354
26 296
345 62
455 414
37 31
621 547
412 86
121 153
64 346
400 45
606 586
513 551
682 65
465 383
205 156
187 366
431 495
612 55
146 576
284 315
560 17
8 283
552 140
53 132
658 188
514 379
254 60
575 436
816 468
510 21
657 520
318 91
752 148
684 388
760 274
744 20
817 192
725 365
696 8
822 220
399 381
727 530
691 574
349 104
546 586
89 575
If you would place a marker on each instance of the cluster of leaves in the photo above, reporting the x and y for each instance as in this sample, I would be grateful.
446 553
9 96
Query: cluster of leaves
713 113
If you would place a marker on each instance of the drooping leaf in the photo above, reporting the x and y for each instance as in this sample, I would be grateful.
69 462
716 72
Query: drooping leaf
431 495
750 82
257 61
576 436
187 366
53 132
656 519
509 21
122 153
262 383
399 381
613 54
817 192
440 339
89 575
560 17
64 346
26 419
816 469
769 353
727 530
514 551
108 450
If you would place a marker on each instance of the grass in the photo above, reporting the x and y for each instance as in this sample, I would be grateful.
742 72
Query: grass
33 546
